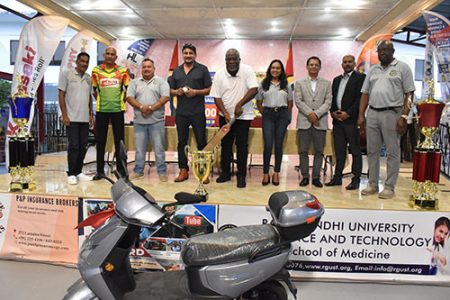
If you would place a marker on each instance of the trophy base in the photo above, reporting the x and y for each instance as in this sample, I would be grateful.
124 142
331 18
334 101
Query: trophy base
31 186
426 204
15 186
201 191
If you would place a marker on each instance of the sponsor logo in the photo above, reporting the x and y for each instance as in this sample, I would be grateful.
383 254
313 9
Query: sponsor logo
2 228
109 82
192 221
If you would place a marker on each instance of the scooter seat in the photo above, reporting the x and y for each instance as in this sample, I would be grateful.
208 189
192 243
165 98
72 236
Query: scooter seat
227 246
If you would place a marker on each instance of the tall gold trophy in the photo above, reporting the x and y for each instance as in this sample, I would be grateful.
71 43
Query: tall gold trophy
21 144
427 155
202 161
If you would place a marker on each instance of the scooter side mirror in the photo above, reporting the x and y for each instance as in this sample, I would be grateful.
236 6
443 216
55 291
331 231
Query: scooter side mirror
186 198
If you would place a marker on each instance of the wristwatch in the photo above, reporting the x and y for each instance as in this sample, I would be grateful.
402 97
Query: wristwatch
150 107
404 117
140 107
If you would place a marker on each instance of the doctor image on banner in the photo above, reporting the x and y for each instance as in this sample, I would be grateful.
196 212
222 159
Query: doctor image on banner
440 248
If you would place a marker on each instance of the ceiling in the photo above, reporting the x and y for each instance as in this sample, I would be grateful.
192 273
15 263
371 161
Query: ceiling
231 19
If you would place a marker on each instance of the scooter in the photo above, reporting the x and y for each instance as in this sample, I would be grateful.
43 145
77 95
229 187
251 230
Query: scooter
246 262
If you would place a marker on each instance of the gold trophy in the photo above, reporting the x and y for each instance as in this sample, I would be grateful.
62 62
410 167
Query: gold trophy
21 144
427 155
202 161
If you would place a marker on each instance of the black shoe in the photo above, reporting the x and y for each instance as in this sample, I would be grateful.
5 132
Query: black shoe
316 182
241 182
334 181
223 178
99 176
354 185
304 182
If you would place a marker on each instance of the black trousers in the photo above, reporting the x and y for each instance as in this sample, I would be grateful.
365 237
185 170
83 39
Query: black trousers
77 136
102 120
344 134
238 134
198 123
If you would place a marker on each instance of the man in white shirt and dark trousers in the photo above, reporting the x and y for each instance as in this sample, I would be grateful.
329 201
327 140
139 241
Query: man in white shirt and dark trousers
233 89
75 102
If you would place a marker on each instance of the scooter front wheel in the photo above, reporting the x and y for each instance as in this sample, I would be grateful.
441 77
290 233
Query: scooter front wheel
269 290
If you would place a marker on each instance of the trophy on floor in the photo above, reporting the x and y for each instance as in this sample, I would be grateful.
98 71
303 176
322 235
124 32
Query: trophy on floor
21 144
427 155
202 161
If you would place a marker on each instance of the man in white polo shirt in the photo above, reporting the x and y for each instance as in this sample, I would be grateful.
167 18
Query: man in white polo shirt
148 95
76 107
233 89
386 91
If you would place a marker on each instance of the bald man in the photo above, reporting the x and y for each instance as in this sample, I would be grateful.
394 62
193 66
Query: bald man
386 91
233 88
109 82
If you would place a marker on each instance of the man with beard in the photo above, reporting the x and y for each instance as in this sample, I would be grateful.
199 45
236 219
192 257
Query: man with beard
346 91
148 95
76 107
109 82
233 89
190 82
386 91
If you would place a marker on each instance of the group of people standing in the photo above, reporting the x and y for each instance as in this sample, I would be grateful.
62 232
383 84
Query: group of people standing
384 91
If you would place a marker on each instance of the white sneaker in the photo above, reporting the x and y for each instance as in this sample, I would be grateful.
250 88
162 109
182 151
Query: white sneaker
84 177
72 180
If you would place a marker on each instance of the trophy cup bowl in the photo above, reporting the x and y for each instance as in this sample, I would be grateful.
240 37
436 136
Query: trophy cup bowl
430 112
201 167
19 144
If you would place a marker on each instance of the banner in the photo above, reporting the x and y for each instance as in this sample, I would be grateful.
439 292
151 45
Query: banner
131 59
368 55
39 227
438 33
81 42
38 42
362 244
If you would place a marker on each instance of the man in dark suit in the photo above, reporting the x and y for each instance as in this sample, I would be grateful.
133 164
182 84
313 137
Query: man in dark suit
346 90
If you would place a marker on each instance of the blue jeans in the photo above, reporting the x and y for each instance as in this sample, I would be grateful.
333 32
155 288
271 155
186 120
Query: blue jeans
157 134
274 127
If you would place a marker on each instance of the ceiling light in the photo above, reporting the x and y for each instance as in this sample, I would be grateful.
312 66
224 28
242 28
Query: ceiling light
327 9
344 32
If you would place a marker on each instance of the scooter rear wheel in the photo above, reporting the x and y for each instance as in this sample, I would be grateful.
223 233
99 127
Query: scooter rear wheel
269 290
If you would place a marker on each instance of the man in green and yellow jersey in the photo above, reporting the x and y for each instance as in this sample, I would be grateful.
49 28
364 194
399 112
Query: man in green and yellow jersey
109 82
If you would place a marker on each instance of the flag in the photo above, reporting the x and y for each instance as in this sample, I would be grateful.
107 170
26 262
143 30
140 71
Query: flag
438 38
38 42
173 65
290 65
368 55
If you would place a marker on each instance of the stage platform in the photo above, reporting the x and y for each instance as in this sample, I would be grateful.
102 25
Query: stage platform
52 180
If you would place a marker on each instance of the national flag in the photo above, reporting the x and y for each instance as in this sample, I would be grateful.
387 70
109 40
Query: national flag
290 65
173 65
